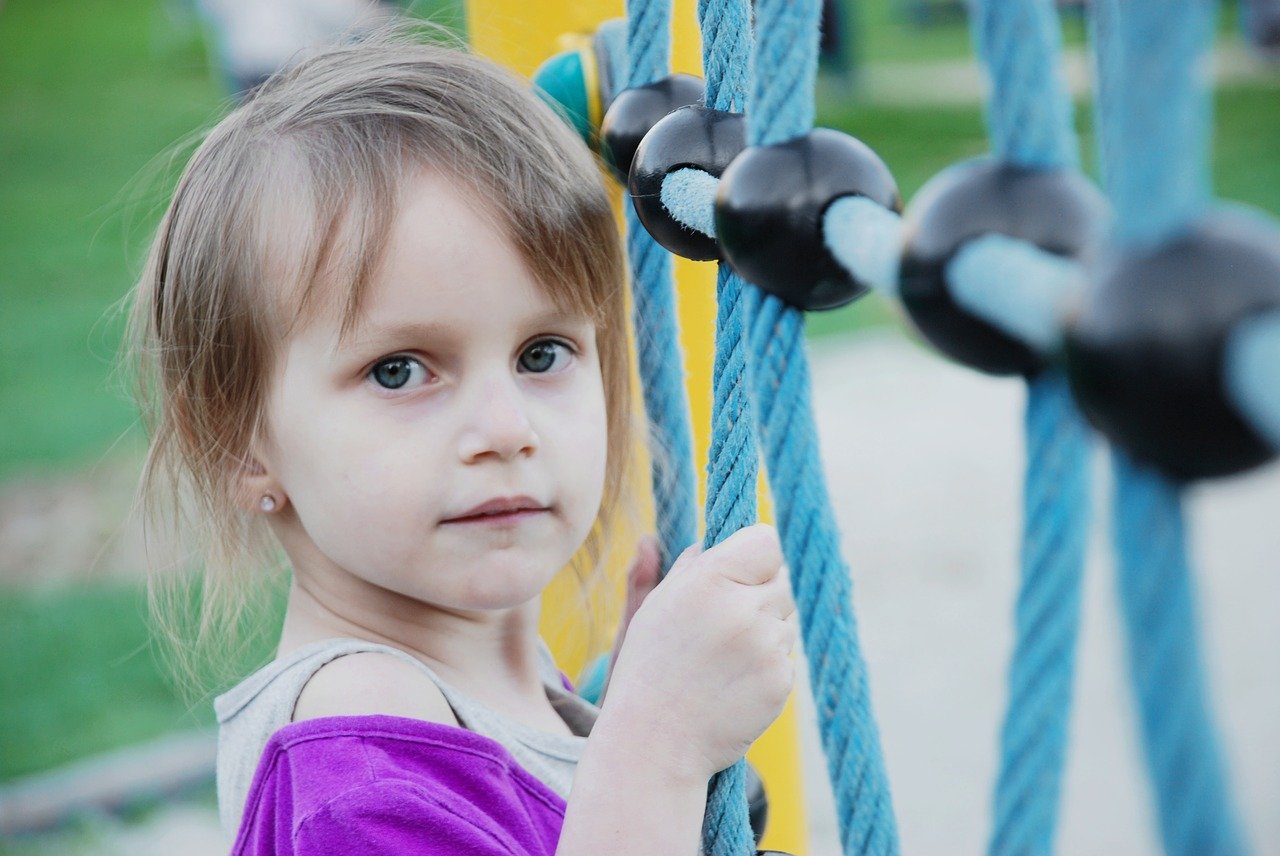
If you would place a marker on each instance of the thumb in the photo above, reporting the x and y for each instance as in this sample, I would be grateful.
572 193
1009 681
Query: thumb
751 556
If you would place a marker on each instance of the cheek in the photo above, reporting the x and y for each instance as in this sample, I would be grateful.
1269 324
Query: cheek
345 477
586 440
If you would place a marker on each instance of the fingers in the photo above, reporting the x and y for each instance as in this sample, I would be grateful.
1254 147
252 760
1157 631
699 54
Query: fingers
644 574
690 553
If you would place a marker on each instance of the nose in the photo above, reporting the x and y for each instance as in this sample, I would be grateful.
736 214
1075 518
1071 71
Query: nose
497 425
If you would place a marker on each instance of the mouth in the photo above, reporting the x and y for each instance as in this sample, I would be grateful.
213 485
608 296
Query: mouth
502 510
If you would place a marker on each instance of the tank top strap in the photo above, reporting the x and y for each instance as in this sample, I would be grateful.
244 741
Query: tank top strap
283 680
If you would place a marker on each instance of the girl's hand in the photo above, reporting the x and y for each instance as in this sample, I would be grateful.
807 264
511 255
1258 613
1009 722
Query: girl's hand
706 665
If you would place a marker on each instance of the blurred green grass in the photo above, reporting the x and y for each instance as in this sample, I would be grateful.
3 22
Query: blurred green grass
80 674
90 93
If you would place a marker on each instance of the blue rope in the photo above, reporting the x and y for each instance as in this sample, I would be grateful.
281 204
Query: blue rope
1033 740
1029 112
733 465
785 67
732 474
780 108
1151 91
726 35
1158 603
675 486
655 318
648 41
819 577
1030 124
1154 112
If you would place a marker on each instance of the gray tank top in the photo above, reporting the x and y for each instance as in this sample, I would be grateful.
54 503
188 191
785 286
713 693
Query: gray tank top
250 712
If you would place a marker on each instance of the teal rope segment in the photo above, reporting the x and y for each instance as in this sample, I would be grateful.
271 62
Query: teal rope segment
1015 286
1196 812
662 375
1030 124
1029 113
726 30
648 40
1157 110
819 577
784 70
733 465
1033 740
655 320
1251 360
780 108
732 474
1153 117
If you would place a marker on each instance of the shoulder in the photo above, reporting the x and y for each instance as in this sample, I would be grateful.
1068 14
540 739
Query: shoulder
424 788
371 683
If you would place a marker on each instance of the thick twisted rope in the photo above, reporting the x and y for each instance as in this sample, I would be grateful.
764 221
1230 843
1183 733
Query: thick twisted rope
732 473
780 107
819 578
655 319
1033 740
1029 121
1029 111
1153 112
732 468
1149 60
1157 600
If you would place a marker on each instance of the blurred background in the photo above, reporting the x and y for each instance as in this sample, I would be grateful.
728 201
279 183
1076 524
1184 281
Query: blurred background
94 96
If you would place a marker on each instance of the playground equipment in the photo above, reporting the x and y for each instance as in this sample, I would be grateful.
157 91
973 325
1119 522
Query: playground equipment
1162 323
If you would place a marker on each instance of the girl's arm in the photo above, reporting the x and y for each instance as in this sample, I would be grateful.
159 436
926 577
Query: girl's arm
628 798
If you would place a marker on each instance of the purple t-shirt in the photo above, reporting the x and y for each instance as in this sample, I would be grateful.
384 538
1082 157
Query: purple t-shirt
387 784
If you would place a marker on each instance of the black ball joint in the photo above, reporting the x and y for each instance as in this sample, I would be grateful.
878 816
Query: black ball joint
1057 210
1146 353
635 111
769 212
695 137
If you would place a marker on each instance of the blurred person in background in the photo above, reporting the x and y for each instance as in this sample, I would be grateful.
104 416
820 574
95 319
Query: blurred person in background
1261 22
254 38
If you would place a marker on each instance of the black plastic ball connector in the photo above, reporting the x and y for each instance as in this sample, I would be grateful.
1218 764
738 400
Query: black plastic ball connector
1057 210
695 137
769 212
757 803
1146 352
634 111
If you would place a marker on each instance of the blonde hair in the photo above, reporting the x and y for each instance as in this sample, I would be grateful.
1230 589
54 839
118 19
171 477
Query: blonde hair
285 207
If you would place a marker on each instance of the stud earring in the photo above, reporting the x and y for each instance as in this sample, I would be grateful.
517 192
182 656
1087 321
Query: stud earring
267 503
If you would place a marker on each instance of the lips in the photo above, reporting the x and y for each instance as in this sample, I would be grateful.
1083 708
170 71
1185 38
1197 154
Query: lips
504 507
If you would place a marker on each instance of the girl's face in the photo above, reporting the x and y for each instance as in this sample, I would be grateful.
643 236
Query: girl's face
452 449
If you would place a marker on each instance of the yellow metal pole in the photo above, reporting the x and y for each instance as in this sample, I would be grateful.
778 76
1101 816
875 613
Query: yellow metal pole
521 35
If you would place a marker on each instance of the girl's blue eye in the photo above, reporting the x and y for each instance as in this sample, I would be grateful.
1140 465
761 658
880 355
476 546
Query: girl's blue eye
544 356
396 372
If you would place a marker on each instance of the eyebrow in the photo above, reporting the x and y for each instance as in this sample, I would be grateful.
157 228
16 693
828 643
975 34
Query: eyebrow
366 336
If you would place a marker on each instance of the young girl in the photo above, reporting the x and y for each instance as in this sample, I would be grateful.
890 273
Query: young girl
383 318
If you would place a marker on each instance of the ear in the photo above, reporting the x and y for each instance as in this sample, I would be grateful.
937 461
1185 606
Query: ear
252 480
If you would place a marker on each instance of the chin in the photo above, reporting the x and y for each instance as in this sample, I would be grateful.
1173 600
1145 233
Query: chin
495 586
